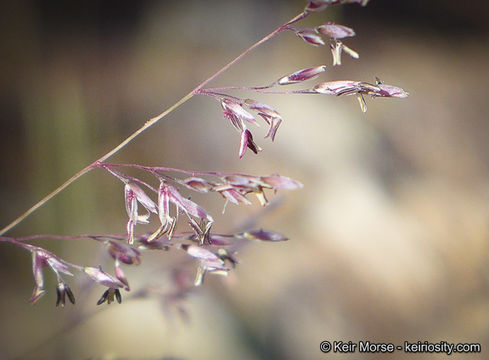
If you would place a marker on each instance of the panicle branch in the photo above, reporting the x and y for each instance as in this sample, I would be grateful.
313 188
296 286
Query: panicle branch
233 187
163 203
212 257
239 111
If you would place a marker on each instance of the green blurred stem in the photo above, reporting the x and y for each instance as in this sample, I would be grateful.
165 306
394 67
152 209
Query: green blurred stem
148 124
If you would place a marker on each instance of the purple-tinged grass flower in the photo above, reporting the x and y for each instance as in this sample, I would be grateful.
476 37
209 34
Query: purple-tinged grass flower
134 194
109 295
169 194
235 121
274 125
248 184
237 111
302 75
158 243
388 91
310 37
63 290
186 205
237 115
209 262
231 194
167 222
379 90
349 87
221 240
201 253
38 263
237 186
313 37
335 31
103 278
197 184
338 87
241 180
359 88
142 198
262 109
123 252
201 230
269 114
40 260
276 181
247 142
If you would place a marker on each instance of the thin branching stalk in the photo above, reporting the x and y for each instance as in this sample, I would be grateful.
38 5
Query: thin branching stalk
165 205
148 124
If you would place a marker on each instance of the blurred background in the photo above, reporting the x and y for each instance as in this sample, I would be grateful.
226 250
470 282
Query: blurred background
389 238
